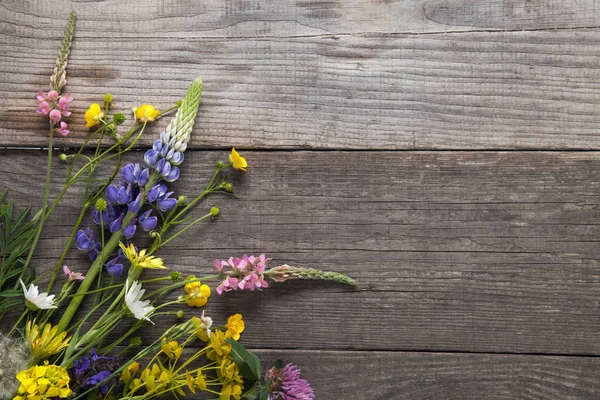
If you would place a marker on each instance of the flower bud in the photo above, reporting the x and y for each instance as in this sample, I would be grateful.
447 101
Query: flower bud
108 98
214 212
135 341
228 186
219 164
63 157
175 276
119 118
179 102
154 234
181 200
100 204
180 314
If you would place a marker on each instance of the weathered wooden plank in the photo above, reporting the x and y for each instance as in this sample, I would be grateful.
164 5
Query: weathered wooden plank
397 375
472 251
473 91
192 19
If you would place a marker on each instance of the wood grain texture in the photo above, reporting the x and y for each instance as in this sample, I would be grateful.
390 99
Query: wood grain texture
454 251
289 18
515 90
396 375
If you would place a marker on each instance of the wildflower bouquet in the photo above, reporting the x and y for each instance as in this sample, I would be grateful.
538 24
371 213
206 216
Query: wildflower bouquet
65 345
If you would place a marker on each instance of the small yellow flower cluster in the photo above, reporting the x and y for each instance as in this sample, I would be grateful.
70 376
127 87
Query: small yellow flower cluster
197 294
45 340
171 348
43 382
141 260
219 350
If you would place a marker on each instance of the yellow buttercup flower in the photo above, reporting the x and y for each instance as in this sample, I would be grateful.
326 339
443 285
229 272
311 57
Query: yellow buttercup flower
197 294
171 349
43 382
45 340
235 326
141 260
146 113
93 115
238 161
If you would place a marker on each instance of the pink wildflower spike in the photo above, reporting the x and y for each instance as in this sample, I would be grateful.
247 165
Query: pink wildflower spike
55 116
53 96
43 108
63 129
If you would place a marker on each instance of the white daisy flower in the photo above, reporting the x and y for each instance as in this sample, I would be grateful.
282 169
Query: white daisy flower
206 323
36 300
133 295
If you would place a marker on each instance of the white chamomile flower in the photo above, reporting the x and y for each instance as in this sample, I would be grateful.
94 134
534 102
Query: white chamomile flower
133 295
206 323
36 300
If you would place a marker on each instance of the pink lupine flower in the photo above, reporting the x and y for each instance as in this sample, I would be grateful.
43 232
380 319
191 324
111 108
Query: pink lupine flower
43 108
55 116
63 129
72 275
63 104
53 96
41 96
243 273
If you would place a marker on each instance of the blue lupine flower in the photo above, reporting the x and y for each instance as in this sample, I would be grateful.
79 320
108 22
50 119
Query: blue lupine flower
116 224
134 174
92 370
108 215
147 221
85 241
130 229
135 205
114 267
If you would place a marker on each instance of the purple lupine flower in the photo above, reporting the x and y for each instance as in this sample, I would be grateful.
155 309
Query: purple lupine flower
114 267
98 378
85 241
116 224
147 221
135 205
134 175
287 384
246 272
130 229
108 215
93 370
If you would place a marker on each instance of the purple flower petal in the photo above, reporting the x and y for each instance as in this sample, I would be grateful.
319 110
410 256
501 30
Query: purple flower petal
129 231
149 223
151 157
111 193
115 269
167 204
144 177
153 193
173 175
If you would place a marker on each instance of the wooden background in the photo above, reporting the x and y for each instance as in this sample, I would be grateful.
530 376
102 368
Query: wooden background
444 153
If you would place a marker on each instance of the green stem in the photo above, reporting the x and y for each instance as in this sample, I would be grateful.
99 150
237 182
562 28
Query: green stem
44 201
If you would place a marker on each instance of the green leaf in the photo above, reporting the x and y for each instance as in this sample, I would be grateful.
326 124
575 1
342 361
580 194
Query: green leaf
247 362
11 293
